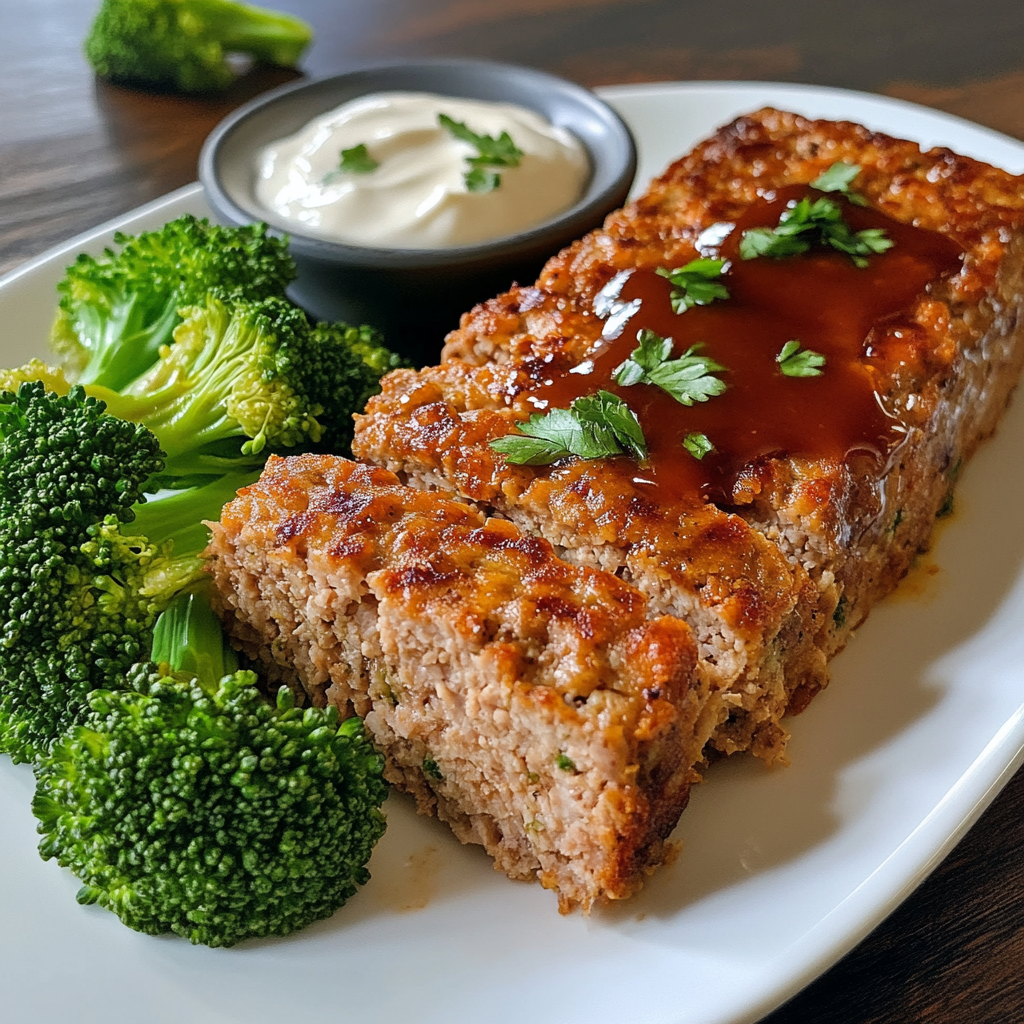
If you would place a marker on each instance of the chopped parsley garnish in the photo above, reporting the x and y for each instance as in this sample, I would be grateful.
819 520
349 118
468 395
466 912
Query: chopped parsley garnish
698 445
696 284
838 178
795 361
431 768
593 427
480 179
566 763
491 152
356 160
688 379
808 222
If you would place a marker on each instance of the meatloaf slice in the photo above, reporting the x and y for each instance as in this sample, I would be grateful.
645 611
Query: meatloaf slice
844 529
542 709
759 619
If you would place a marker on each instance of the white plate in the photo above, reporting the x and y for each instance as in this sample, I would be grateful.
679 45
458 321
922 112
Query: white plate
781 872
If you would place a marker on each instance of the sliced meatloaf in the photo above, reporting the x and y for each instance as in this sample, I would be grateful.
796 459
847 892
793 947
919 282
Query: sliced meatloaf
776 569
542 709
546 653
761 623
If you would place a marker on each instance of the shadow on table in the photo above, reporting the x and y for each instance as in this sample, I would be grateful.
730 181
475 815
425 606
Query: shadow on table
156 136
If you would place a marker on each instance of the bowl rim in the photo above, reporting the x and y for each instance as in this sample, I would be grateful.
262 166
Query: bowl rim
381 257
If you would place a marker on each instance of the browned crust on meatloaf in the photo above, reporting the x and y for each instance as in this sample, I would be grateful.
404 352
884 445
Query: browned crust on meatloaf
846 532
757 616
538 707
348 599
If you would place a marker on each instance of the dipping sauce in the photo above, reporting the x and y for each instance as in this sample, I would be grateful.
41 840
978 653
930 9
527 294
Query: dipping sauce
408 188
819 298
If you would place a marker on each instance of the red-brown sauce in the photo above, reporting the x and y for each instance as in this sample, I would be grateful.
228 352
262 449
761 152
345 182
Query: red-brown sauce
820 299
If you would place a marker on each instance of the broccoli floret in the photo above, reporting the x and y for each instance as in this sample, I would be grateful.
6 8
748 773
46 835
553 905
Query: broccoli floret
69 621
350 363
182 44
117 310
195 807
244 377
64 463
79 591
51 376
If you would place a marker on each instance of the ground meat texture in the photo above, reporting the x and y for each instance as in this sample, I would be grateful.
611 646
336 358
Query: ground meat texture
538 707
549 655
773 579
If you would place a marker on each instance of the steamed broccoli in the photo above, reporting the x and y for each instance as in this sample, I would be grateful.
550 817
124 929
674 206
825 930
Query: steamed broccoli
117 310
191 805
73 615
182 44
244 377
80 588
188 639
52 377
176 518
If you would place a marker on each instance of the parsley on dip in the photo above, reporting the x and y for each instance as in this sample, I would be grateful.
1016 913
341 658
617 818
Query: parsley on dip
421 171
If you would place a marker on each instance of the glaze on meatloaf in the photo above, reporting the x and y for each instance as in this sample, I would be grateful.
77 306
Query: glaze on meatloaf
770 573
773 578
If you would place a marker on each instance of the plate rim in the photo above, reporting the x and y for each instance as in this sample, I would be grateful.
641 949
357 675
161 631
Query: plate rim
629 89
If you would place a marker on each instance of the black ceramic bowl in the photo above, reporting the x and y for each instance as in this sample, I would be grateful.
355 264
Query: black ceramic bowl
416 295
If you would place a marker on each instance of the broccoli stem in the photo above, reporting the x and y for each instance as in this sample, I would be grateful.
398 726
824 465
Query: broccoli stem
128 345
189 638
270 36
179 517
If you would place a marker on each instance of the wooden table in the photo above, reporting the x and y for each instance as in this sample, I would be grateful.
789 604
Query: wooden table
74 152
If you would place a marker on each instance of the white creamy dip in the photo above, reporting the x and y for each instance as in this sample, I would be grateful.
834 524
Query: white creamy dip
416 197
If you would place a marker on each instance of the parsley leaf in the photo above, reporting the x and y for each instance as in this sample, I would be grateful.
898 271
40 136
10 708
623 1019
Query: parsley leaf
687 379
771 242
593 427
838 178
606 408
698 445
596 426
807 222
696 284
479 179
356 160
500 151
860 245
797 362
491 152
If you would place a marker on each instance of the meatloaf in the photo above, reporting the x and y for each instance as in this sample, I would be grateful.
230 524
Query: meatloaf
771 549
774 574
536 706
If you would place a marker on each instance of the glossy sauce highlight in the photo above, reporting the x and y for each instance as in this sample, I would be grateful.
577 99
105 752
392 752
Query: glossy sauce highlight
819 298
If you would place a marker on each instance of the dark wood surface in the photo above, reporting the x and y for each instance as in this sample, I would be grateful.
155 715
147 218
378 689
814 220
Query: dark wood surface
75 152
